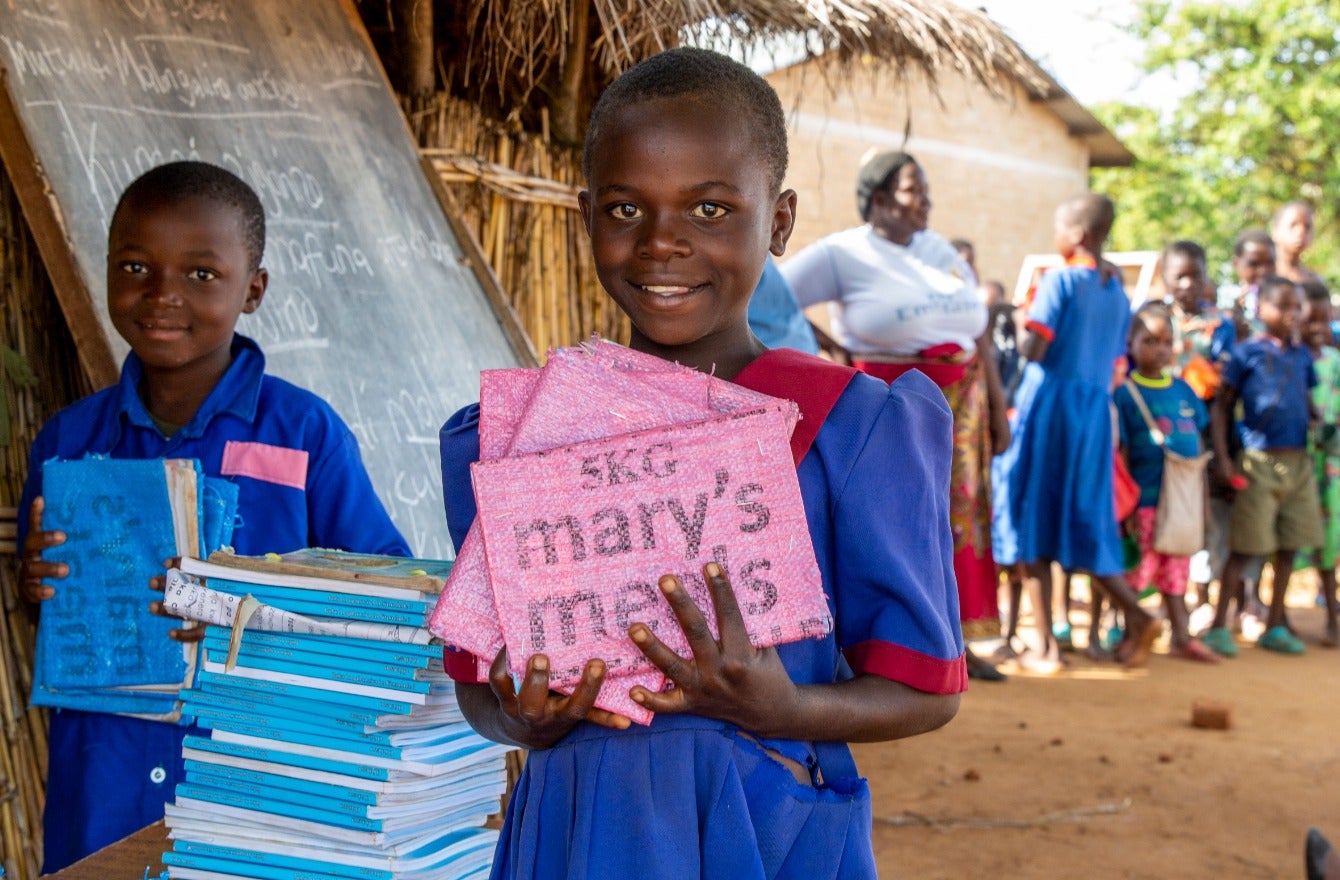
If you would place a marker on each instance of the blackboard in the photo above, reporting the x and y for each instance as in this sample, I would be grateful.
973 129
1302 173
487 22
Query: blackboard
375 302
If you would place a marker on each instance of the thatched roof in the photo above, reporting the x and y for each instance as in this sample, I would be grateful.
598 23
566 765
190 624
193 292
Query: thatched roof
561 53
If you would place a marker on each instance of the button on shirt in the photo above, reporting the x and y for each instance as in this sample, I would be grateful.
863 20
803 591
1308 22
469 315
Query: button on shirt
1274 383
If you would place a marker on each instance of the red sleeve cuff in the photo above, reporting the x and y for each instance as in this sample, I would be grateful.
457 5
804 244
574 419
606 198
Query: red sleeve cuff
912 668
461 666
1042 330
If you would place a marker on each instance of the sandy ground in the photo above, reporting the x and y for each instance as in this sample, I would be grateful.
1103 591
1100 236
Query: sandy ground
1097 772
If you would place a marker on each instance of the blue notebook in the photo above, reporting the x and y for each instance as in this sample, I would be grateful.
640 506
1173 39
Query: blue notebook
98 646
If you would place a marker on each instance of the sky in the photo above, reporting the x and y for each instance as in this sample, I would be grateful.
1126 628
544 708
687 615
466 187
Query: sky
1081 44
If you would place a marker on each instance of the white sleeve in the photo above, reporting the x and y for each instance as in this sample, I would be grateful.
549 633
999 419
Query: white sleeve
812 275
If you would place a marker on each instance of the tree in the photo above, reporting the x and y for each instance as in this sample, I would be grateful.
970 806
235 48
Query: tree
1260 128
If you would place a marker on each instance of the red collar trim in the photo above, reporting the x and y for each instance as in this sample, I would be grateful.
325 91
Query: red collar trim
814 384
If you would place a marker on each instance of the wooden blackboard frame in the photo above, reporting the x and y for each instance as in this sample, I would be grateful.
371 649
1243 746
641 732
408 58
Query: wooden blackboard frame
53 244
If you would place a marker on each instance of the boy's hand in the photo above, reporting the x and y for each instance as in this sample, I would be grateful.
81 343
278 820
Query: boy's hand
537 717
1223 473
33 571
727 678
184 635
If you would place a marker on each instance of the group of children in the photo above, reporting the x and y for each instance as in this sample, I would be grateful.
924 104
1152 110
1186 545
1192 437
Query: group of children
1246 382
744 772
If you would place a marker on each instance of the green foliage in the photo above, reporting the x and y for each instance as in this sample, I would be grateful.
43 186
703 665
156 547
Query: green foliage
1260 128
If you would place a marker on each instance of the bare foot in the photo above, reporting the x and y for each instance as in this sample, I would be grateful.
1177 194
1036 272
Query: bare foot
1034 663
1097 652
1332 637
1134 650
1194 649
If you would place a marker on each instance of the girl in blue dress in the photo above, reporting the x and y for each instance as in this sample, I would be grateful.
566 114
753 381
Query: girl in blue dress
744 771
1054 494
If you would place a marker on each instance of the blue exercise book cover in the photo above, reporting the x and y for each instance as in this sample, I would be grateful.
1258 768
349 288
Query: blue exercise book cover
236 684
290 759
96 636
341 604
313 604
390 672
465 850
338 646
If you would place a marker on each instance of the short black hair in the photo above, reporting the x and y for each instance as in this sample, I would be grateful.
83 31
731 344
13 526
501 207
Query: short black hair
1092 212
713 79
1186 248
1315 290
1252 236
1151 309
1271 285
176 182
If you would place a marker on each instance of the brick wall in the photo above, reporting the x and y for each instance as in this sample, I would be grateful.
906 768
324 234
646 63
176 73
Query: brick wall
997 167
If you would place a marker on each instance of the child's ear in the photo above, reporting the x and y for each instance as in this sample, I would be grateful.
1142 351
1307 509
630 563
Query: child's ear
584 204
260 280
783 222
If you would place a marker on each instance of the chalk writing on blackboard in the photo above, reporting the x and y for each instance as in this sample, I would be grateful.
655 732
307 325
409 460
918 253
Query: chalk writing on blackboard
372 301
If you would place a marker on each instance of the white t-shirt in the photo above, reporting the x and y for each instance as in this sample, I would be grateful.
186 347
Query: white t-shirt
887 298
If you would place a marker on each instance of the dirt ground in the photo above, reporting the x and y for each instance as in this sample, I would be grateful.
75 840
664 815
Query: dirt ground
1097 772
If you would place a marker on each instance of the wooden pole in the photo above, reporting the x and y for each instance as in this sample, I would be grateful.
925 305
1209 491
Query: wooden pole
414 37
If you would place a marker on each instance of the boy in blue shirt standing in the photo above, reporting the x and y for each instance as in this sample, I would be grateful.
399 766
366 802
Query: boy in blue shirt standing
1276 512
183 264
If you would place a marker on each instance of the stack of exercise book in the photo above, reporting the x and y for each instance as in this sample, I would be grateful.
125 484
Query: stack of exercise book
336 747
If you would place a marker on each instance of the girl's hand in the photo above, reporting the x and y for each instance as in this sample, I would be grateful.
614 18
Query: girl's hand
33 571
537 717
727 677
185 635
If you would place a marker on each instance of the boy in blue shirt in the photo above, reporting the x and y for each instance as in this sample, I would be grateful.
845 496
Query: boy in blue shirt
1276 512
183 264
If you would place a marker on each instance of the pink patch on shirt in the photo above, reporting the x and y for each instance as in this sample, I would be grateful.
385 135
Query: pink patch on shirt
261 461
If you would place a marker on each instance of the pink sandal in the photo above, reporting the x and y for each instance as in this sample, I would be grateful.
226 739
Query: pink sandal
1195 649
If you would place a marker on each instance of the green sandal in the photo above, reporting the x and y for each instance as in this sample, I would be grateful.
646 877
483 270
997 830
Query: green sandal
1281 641
1220 641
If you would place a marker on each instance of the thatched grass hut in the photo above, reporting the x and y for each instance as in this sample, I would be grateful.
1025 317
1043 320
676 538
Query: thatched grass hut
498 94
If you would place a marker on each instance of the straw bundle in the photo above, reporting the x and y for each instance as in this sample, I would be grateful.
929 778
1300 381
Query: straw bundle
32 335
518 193
560 54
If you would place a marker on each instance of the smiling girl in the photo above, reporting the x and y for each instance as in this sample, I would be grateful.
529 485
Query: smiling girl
744 771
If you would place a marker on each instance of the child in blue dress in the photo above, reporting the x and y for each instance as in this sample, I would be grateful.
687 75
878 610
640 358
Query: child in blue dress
1055 501
1179 416
183 264
744 772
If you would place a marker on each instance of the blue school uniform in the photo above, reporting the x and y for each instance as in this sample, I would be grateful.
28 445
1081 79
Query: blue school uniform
301 483
692 797
1054 484
1274 383
1178 412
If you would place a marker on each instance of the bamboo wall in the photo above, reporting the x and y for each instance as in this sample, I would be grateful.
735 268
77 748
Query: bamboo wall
518 193
39 374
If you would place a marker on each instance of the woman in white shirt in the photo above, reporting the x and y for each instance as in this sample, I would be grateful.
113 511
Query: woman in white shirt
902 298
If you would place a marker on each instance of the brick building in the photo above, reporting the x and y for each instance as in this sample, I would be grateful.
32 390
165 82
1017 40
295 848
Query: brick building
997 166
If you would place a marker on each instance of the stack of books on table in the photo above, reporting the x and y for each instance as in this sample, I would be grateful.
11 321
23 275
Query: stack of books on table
328 755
